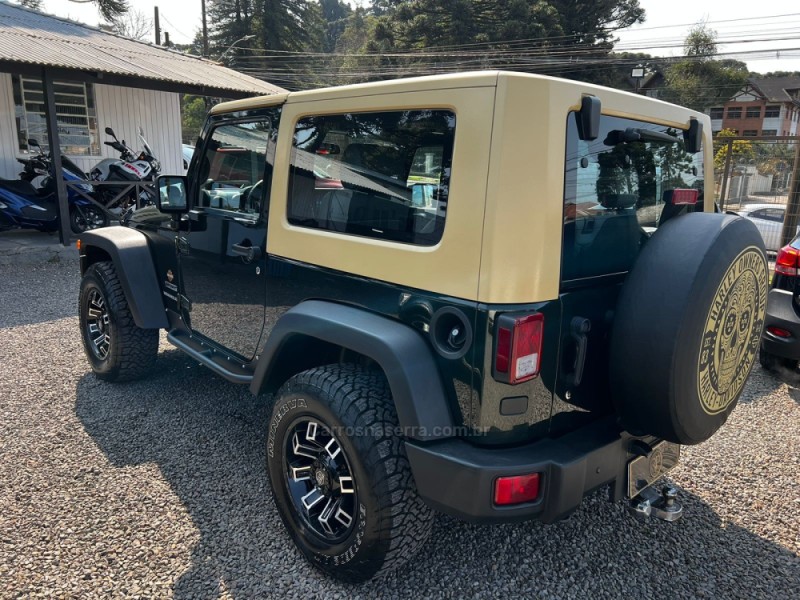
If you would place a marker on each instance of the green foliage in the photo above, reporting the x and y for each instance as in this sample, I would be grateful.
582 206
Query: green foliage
741 150
34 4
193 115
700 81
109 9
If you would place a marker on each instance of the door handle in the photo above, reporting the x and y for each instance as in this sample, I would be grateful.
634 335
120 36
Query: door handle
579 327
181 245
249 253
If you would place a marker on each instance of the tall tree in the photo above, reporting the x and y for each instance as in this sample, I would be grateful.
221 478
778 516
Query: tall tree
109 9
133 24
231 21
34 4
699 80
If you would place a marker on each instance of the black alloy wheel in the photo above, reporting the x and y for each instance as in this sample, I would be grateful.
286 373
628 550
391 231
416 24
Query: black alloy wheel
320 480
97 325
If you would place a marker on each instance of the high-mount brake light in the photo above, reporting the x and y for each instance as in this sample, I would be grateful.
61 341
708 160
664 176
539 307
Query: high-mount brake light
682 196
518 348
786 261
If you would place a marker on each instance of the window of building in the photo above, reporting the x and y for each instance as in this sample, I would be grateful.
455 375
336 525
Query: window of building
75 111
717 113
384 175
769 132
735 113
750 133
753 112
772 111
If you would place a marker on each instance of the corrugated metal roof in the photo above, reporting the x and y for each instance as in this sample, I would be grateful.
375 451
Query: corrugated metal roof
31 37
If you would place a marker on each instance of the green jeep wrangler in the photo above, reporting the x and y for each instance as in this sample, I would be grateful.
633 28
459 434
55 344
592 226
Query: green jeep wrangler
485 294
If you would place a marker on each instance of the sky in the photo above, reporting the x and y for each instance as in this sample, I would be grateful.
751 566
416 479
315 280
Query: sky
667 23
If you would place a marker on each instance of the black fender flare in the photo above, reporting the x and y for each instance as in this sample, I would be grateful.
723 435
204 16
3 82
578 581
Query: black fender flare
133 261
404 356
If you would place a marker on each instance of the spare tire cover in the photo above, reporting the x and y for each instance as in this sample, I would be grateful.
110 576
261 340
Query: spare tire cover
687 327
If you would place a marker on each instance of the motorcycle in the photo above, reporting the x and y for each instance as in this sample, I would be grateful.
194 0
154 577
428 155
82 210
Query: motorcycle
128 168
25 205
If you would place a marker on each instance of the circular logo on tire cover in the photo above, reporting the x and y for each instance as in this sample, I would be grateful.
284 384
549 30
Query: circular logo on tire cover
733 331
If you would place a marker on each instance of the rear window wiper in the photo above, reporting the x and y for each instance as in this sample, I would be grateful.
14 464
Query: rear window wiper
633 134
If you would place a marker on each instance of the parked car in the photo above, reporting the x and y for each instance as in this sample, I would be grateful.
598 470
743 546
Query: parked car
780 344
768 218
187 151
400 268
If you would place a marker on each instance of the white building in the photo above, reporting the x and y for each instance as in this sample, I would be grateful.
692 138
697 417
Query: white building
99 80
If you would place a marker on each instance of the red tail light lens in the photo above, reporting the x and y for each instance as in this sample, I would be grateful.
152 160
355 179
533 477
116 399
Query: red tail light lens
786 262
519 347
517 489
682 196
779 332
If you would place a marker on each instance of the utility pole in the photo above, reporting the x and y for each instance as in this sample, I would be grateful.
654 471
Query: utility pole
205 29
166 39
157 25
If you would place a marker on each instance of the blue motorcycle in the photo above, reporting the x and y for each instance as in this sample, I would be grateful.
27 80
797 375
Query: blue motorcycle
25 206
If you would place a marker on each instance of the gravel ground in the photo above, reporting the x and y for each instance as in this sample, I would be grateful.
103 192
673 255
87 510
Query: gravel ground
157 489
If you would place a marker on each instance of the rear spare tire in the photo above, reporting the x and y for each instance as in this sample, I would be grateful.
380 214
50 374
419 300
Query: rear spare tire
688 326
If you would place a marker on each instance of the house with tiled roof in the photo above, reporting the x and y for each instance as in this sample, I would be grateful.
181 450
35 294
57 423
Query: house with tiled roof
763 107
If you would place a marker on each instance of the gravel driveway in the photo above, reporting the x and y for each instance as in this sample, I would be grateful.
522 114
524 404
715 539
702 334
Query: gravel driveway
157 489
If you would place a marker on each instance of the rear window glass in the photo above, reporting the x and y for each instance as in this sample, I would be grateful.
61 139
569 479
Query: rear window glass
382 175
618 191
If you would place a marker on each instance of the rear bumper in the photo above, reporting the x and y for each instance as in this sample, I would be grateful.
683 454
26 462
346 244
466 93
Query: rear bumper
781 313
457 478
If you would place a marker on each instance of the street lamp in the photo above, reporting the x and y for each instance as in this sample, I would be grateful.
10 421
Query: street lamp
637 74
232 46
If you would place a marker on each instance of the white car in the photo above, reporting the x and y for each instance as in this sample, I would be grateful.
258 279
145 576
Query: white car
187 151
769 220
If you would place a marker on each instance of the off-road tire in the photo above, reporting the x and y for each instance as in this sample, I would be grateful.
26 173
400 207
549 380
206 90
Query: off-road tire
773 363
131 350
392 521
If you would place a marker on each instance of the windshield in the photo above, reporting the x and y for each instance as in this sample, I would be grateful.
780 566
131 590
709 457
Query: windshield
146 146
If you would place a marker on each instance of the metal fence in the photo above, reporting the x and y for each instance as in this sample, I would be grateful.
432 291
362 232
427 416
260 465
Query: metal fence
760 177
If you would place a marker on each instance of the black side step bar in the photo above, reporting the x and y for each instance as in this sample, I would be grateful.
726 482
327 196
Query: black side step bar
231 369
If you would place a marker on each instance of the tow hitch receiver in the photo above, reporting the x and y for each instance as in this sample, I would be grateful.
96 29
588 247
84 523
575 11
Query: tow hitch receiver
664 506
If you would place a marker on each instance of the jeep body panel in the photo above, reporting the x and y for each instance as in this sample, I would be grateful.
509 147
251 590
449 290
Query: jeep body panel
457 255
129 250
526 178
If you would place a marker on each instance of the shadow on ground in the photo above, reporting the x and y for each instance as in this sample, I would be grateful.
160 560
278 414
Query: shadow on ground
207 438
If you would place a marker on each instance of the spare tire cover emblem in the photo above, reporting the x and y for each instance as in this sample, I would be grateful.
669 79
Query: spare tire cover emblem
733 331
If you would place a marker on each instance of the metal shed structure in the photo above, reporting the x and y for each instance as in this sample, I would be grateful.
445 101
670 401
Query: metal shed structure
60 52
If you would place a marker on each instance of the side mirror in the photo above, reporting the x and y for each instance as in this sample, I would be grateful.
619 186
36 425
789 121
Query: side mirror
172 194
110 132
33 142
693 137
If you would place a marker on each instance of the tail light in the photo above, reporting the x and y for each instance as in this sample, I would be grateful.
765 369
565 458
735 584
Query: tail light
517 489
779 332
518 349
786 262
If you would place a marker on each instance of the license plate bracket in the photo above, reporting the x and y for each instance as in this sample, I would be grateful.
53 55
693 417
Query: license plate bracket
643 471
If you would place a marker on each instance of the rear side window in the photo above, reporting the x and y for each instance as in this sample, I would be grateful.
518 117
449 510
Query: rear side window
618 191
383 175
